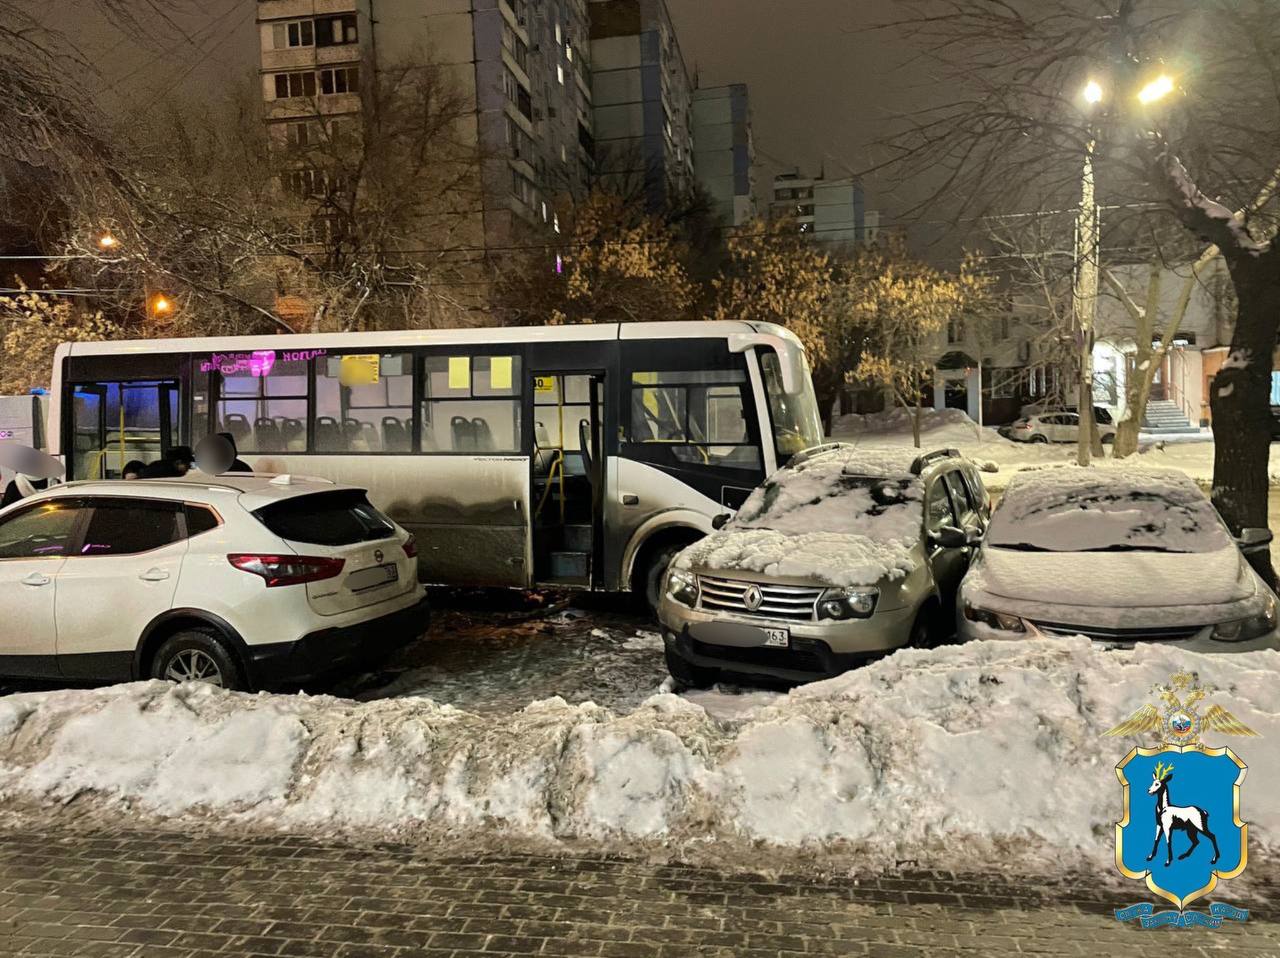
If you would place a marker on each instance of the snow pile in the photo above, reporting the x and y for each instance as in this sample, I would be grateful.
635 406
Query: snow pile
845 516
947 757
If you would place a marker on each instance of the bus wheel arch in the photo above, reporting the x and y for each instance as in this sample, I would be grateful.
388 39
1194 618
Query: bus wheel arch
652 557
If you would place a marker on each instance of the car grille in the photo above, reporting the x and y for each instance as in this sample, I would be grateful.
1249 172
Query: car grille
1120 635
790 602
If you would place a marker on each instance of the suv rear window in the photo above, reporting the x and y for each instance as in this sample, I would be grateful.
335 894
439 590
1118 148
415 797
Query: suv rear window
327 519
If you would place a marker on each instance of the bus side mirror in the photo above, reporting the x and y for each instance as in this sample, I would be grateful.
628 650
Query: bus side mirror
720 521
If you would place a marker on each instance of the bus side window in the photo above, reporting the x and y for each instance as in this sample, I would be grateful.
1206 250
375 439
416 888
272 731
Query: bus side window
471 404
699 417
364 403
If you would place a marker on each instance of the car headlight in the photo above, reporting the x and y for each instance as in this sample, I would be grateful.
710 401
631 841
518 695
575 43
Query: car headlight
841 604
683 587
1242 630
1000 621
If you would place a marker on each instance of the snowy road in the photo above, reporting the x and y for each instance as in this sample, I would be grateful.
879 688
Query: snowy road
585 649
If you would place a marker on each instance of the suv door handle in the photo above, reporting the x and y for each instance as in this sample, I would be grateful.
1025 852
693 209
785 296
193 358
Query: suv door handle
36 578
154 575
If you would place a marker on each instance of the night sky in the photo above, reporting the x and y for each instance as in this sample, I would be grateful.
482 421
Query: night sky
823 85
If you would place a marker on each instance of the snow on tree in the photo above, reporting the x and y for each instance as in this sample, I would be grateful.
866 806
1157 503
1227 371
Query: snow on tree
32 325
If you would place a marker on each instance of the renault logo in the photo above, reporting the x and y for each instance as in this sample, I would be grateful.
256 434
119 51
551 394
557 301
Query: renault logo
377 556
753 598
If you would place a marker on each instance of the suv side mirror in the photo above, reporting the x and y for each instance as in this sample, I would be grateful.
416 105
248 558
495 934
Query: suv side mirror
720 521
949 537
1254 540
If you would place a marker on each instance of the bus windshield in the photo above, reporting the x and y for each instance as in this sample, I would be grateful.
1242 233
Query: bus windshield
797 425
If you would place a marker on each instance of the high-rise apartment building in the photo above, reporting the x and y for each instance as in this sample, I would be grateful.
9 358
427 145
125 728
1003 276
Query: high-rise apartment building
830 211
643 101
521 67
724 153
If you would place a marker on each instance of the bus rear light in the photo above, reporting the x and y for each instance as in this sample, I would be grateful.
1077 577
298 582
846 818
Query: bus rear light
278 570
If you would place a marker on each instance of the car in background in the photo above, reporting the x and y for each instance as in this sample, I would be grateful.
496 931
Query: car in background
1061 426
1120 556
844 555
241 581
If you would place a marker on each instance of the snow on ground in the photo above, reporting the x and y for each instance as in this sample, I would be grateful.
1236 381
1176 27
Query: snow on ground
946 757
951 428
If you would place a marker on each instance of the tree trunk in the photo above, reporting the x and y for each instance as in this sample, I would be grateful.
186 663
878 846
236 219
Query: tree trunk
1240 399
917 415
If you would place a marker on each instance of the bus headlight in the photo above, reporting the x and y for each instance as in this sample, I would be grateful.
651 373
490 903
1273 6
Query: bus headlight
682 587
842 604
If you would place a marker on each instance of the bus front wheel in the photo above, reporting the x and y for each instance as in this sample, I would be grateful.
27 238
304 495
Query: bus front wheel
648 580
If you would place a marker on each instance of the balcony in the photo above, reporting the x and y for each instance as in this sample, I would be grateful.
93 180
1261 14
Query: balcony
295 9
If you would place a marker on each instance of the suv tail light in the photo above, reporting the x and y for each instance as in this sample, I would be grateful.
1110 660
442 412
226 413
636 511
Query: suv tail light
279 570
411 547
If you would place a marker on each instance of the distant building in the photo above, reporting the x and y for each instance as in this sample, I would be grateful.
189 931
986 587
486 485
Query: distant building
724 154
643 100
830 211
523 67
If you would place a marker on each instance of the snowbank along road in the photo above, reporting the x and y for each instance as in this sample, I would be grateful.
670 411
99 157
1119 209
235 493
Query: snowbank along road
947 757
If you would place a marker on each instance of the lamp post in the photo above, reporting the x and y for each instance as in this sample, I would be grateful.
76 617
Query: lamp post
1085 290
1088 240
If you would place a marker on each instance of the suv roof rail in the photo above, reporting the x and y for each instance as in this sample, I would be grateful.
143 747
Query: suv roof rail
805 455
924 461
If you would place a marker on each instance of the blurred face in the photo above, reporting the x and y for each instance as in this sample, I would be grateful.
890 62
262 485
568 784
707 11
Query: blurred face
182 466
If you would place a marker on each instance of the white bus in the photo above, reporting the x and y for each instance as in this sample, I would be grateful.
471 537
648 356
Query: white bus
570 456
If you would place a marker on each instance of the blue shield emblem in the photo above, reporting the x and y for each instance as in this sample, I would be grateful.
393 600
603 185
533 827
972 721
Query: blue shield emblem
1181 830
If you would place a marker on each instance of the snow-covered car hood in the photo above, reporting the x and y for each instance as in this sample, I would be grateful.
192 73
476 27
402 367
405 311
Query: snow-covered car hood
823 558
1120 580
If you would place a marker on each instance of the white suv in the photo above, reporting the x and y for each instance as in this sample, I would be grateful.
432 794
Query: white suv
243 581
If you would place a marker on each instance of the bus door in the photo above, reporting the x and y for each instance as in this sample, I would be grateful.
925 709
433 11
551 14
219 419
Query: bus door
115 422
568 480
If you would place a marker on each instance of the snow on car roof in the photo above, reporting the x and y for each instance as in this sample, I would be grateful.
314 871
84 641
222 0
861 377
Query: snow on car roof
844 516
254 489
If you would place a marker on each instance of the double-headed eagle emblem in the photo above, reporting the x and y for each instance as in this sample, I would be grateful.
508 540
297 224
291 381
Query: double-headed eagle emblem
1180 723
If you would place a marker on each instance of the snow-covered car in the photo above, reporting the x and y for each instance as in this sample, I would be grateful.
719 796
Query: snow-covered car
1118 555
242 581
1061 426
844 555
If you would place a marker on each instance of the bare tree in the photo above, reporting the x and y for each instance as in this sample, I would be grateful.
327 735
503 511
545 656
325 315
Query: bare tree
1185 126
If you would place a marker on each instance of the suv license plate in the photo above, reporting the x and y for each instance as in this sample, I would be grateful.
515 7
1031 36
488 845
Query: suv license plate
777 638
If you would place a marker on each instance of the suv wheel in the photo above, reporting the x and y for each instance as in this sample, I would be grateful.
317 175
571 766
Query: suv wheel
688 675
1039 438
194 655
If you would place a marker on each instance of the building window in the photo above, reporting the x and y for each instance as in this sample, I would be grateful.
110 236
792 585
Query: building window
560 73
303 183
289 85
337 31
471 404
523 189
340 80
518 49
559 34
364 403
955 330
300 33
299 135
568 52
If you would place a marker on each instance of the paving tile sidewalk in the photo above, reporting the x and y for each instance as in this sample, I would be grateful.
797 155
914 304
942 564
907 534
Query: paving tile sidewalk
118 894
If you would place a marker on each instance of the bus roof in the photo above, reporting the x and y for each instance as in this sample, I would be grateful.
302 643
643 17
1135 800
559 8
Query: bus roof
676 329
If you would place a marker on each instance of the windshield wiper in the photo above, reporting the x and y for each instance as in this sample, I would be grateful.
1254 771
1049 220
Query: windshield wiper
1020 547
1131 548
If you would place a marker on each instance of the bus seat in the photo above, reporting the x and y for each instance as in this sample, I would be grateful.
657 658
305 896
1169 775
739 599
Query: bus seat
481 434
293 433
238 425
266 435
464 437
328 435
540 433
395 437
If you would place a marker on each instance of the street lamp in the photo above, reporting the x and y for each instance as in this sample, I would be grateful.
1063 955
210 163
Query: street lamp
1156 90
107 242
160 305
1093 93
